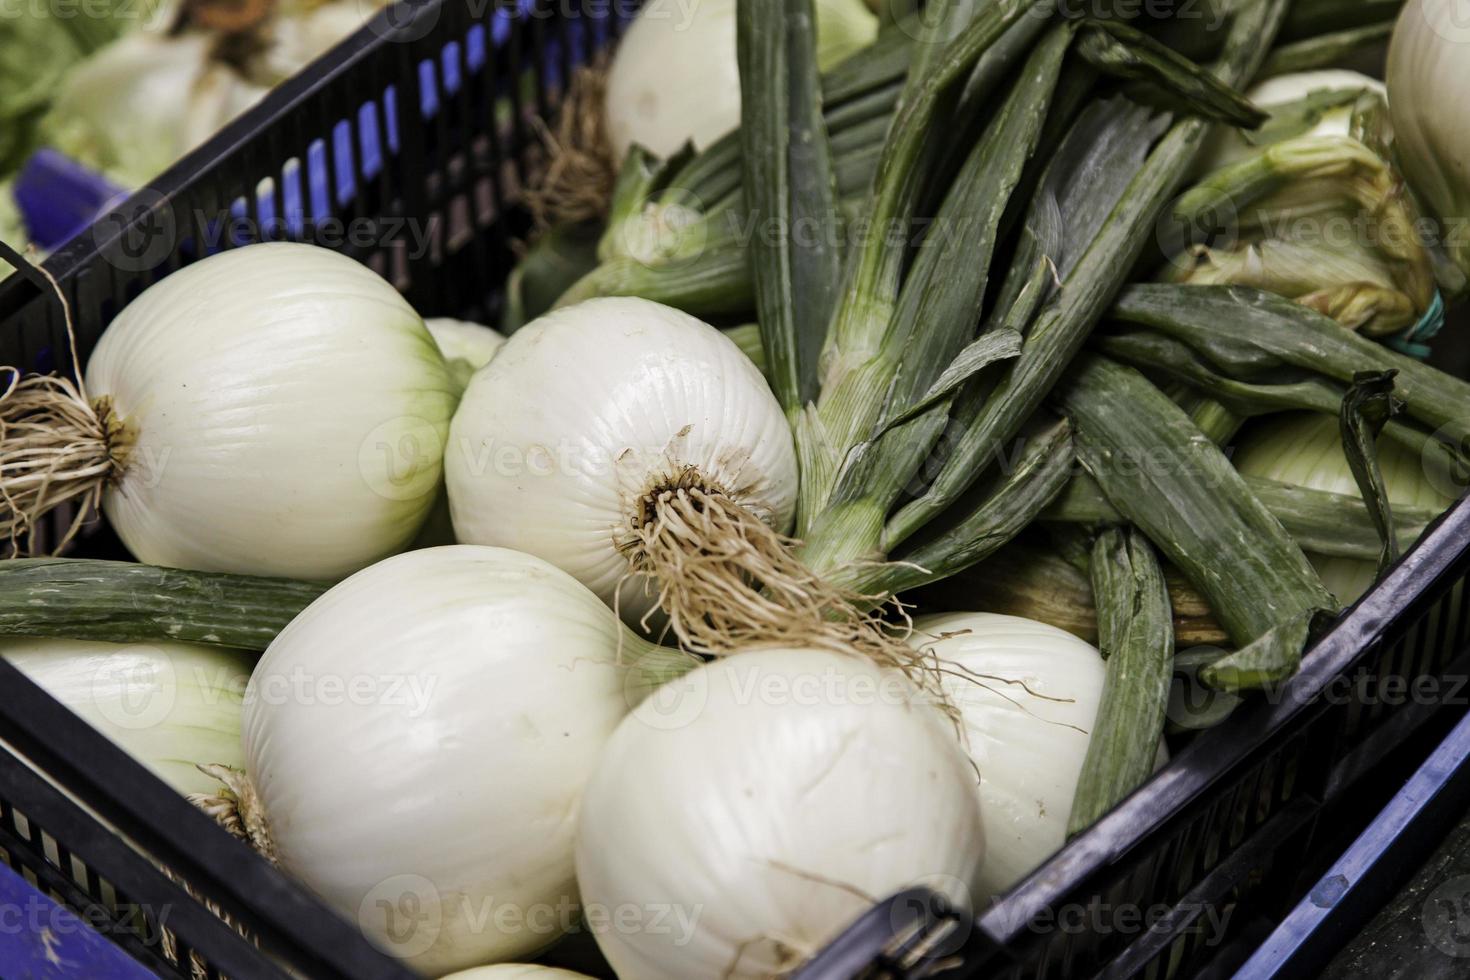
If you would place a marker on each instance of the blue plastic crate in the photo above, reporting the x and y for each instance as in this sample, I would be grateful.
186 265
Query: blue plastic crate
42 940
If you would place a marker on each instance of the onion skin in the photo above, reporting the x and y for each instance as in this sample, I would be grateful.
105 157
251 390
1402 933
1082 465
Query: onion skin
1028 737
1305 449
287 412
466 346
1227 145
1428 80
488 684
559 439
675 78
761 798
172 706
515 971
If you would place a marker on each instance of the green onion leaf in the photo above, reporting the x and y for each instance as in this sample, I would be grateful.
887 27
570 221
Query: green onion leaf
789 189
1117 49
1368 406
1241 329
1164 476
1136 636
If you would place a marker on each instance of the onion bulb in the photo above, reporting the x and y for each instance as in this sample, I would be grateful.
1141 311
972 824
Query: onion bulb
605 437
745 814
1029 694
1303 104
515 971
272 410
675 77
1428 77
419 737
466 346
1305 450
171 706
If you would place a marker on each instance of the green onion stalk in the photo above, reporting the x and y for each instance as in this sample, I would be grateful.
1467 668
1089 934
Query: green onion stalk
679 231
1323 220
1179 488
857 527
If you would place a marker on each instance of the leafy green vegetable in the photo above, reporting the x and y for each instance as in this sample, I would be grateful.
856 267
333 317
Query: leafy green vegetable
38 46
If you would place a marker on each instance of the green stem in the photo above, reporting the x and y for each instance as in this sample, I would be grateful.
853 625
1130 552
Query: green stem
789 186
1312 18
1327 50
857 364
1136 635
937 312
1322 523
1159 471
1035 481
1087 292
1232 322
123 602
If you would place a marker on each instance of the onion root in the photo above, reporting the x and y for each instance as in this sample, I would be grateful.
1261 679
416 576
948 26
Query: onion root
55 447
576 183
727 581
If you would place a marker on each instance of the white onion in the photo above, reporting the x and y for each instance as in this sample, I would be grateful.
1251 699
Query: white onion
1029 694
676 78
287 409
560 439
1305 450
745 814
487 684
172 706
466 346
515 971
1429 80
1227 145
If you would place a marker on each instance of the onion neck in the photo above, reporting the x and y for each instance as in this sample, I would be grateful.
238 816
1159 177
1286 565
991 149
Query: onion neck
651 666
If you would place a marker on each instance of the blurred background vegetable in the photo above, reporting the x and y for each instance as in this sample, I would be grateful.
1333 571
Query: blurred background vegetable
1428 76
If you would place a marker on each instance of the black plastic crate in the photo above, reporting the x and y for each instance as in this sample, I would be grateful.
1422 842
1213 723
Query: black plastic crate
1365 879
416 135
